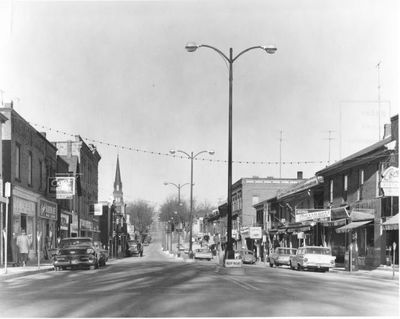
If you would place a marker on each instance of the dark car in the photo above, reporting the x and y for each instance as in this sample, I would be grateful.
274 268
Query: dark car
134 248
247 256
76 256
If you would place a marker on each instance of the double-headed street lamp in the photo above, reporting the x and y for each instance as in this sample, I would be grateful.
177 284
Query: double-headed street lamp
191 156
191 47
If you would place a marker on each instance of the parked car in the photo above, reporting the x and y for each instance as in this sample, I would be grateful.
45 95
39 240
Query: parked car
312 257
134 249
247 256
76 256
281 256
203 253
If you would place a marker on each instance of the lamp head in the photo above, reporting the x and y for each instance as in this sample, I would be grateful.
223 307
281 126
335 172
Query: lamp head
211 152
172 152
271 49
191 47
165 183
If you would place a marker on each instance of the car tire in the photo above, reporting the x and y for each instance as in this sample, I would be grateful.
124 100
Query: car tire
291 266
271 264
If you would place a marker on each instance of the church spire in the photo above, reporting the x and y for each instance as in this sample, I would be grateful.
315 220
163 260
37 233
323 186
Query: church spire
118 195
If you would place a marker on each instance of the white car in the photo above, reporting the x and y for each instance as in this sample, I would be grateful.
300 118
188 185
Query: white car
312 257
203 253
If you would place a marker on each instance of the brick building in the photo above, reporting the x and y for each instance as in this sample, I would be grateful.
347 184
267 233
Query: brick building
29 159
85 158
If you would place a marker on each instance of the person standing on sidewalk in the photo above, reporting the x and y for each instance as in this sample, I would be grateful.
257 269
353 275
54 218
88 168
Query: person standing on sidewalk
23 243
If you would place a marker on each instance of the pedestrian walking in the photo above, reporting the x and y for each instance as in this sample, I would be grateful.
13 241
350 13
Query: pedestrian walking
23 243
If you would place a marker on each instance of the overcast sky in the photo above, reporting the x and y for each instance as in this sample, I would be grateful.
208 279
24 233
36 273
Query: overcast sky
118 73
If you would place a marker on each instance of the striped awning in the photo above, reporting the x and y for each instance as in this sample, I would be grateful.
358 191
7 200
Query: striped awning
392 223
351 226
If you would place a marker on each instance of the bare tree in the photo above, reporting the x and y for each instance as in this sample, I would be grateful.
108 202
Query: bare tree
141 215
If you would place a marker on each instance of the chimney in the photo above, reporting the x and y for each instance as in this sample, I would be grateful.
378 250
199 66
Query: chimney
387 131
299 175
394 126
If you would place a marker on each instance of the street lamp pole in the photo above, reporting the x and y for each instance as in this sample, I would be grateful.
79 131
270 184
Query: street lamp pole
191 157
191 47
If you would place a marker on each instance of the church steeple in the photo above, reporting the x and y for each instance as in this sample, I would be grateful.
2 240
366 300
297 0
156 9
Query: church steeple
118 194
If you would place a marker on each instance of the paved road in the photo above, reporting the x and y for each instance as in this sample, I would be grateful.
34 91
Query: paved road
158 285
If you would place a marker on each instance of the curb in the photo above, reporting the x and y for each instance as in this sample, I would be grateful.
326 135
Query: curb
24 273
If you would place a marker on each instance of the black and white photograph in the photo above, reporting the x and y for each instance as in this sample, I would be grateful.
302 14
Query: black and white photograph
199 158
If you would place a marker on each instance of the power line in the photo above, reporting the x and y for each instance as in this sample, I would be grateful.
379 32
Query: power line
138 150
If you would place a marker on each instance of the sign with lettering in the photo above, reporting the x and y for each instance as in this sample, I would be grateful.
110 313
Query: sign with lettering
47 209
312 214
255 232
63 187
233 263
390 181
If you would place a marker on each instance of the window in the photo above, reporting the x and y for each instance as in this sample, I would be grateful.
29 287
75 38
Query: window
345 187
360 184
30 169
331 191
40 174
17 161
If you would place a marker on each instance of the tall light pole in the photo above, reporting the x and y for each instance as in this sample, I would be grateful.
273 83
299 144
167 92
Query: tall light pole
191 156
178 186
191 47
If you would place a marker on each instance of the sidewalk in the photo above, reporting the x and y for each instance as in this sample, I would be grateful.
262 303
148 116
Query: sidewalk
13 272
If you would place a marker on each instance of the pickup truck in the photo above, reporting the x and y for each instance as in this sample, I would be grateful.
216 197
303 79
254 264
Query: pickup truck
312 257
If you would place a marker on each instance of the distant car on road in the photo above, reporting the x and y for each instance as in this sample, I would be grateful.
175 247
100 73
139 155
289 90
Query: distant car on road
247 256
203 253
312 257
134 249
281 256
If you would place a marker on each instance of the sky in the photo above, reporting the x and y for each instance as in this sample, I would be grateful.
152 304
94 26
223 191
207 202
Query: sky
118 75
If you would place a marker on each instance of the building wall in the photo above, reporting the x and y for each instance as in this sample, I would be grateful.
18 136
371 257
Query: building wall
253 188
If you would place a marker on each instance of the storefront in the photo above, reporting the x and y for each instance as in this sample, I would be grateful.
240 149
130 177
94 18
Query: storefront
74 225
65 221
86 228
391 227
24 205
47 226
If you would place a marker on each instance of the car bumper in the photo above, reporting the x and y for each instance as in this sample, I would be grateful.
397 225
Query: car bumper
75 262
317 265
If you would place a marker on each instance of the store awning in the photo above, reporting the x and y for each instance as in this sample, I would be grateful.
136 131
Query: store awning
392 223
339 212
334 223
351 226
362 214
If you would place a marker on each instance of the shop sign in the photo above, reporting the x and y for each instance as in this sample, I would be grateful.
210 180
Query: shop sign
98 209
85 224
233 263
47 210
255 232
312 214
390 181
63 187
23 206
64 221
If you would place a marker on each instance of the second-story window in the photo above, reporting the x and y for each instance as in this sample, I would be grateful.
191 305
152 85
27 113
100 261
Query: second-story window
18 161
30 169
345 187
360 184
331 191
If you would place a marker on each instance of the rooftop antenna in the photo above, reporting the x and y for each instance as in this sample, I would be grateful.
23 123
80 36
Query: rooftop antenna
280 153
329 145
379 99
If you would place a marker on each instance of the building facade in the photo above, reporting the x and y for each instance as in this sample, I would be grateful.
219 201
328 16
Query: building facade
29 160
86 171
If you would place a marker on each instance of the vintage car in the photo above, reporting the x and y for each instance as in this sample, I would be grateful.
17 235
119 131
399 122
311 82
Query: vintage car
247 256
281 256
76 256
134 249
312 257
203 253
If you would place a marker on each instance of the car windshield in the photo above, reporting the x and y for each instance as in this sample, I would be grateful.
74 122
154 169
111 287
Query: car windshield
75 241
319 251
132 243
287 251
74 251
